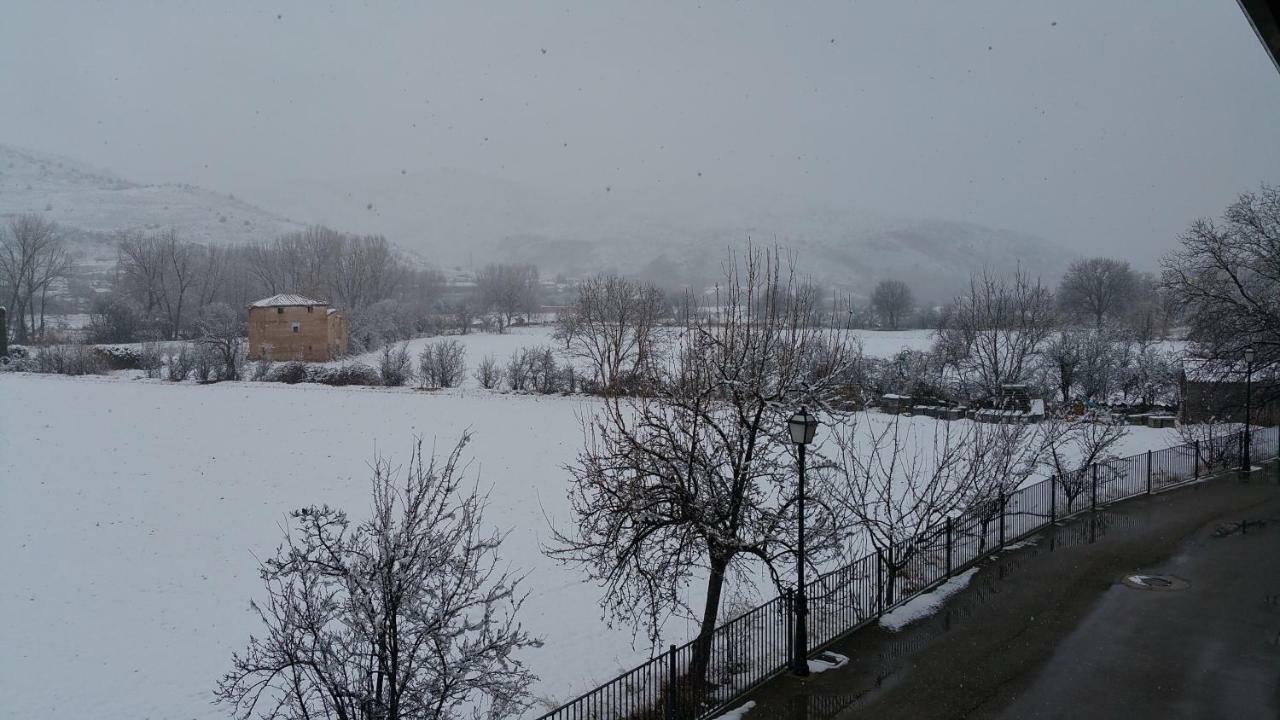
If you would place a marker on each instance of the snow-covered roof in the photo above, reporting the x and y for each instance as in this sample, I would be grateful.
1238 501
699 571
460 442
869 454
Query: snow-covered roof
287 300
1211 370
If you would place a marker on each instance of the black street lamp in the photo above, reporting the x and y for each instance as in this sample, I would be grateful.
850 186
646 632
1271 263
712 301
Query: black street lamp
802 427
1246 461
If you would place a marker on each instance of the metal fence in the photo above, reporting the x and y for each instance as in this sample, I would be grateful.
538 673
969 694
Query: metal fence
756 646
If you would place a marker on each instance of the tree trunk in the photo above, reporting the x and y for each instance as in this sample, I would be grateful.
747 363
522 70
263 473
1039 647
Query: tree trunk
701 659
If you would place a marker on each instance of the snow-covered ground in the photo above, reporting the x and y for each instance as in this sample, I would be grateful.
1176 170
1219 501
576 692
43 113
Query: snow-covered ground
131 512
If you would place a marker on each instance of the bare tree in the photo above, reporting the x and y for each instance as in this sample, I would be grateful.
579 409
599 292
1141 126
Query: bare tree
899 485
488 374
991 335
1061 359
1097 288
508 290
442 364
1008 455
32 256
178 273
1227 279
892 301
221 329
404 615
695 476
612 325
1070 446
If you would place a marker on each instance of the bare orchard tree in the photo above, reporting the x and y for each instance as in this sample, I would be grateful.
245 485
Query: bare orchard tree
1071 445
991 335
508 290
407 614
1217 443
32 257
893 302
899 483
1097 289
1227 278
222 329
695 477
613 325
1007 456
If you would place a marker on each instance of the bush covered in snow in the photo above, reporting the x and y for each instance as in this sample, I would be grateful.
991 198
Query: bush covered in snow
290 373
442 364
59 360
352 373
488 374
394 367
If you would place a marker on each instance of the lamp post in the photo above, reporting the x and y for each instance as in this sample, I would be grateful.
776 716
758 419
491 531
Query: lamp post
802 427
1246 461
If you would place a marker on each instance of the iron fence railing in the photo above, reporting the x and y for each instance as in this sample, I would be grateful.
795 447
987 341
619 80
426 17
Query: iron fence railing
757 645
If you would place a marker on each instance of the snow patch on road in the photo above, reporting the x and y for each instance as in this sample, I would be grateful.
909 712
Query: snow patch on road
922 606
738 712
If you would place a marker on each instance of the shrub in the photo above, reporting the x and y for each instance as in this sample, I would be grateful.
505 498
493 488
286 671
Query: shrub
443 364
290 373
117 357
180 365
64 360
394 367
517 371
544 371
488 374
206 364
113 321
352 373
261 369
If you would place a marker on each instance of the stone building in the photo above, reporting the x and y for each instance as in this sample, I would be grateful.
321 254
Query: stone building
293 327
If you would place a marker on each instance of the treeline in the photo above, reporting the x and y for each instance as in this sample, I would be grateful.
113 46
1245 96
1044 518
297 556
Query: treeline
162 285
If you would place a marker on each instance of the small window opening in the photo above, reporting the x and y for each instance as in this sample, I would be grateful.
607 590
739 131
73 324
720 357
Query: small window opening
296 326
279 311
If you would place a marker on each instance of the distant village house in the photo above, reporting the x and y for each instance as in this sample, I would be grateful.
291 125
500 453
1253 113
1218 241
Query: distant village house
293 327
1215 390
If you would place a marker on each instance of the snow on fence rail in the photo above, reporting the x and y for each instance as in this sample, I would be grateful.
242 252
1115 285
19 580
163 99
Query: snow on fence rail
756 646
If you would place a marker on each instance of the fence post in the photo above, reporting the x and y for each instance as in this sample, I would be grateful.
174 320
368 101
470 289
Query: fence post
1148 472
1053 499
671 684
1196 461
1002 502
879 583
1093 502
789 598
948 546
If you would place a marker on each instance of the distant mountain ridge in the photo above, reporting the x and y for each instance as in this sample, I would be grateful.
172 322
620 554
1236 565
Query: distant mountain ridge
456 218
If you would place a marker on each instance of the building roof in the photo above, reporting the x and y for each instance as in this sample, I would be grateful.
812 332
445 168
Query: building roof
287 300
1211 370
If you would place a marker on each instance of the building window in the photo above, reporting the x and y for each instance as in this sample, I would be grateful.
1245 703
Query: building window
279 311
308 308
296 326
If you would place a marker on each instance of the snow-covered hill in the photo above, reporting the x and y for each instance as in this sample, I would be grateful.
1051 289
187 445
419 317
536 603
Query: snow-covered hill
98 202
675 235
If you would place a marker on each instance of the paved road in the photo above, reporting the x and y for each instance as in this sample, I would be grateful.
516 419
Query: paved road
1052 632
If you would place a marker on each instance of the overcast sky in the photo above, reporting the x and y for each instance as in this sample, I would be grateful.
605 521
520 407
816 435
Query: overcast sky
1099 124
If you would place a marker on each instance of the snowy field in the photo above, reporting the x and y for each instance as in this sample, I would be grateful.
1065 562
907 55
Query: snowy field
875 344
131 512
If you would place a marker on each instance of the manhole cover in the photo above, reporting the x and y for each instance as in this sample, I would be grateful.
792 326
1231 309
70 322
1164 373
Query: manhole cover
1155 582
